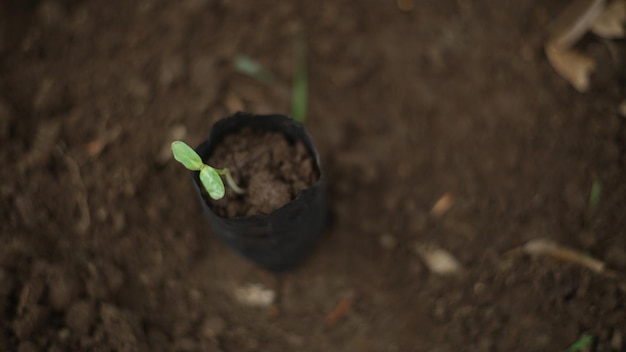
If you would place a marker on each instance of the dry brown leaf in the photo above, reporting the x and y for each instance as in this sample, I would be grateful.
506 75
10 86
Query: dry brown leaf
610 24
342 308
551 249
571 65
443 204
573 22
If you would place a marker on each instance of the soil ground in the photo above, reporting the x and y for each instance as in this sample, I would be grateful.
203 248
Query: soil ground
103 246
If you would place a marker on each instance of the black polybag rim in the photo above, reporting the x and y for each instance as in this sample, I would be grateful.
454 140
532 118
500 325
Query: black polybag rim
215 135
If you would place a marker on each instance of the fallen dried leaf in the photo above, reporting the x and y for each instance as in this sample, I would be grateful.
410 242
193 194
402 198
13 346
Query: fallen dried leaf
573 22
443 204
610 24
571 65
339 311
438 261
552 249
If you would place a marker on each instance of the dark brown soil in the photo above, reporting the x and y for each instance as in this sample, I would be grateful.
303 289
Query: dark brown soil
103 246
272 170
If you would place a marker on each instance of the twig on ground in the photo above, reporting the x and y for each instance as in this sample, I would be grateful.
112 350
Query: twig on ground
443 204
80 194
339 311
544 247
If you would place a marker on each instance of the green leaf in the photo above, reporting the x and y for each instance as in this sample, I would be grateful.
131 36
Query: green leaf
580 344
212 182
186 156
300 88
253 68
594 196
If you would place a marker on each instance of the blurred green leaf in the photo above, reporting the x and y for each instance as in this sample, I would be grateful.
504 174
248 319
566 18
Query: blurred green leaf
580 344
594 195
248 66
300 93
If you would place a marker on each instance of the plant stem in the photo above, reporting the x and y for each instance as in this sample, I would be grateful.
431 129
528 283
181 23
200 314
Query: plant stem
229 179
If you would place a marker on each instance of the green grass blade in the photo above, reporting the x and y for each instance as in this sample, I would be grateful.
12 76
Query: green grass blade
594 196
580 344
248 66
185 155
300 88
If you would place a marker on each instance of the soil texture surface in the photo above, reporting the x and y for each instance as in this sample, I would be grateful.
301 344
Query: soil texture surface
272 171
451 147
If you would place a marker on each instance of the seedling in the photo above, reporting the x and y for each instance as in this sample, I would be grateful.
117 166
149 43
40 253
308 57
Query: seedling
209 176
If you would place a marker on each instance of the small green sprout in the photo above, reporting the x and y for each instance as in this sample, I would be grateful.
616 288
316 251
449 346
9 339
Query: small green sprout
300 87
580 344
594 195
209 176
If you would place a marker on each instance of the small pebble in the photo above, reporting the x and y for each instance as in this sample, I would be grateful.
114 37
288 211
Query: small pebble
438 261
255 295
